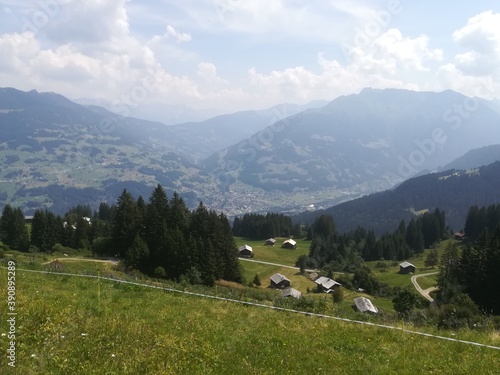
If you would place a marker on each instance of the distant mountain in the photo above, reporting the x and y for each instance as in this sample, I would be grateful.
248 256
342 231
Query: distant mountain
156 112
198 140
56 153
359 143
453 191
475 158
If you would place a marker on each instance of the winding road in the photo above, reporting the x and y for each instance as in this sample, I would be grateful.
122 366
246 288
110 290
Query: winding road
276 264
423 292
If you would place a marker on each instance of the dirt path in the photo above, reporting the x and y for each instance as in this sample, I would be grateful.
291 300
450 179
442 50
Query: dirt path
423 292
275 264
82 260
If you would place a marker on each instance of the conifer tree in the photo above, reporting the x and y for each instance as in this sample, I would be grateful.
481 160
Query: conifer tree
13 231
126 223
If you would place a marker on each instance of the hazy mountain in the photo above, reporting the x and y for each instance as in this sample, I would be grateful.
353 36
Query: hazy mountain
453 191
198 140
475 158
157 112
54 152
359 143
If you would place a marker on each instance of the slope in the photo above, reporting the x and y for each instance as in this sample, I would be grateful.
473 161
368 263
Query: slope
453 191
56 153
359 143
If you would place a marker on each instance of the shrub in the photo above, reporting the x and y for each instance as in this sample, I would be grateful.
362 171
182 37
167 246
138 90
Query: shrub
462 312
338 295
256 280
160 272
404 301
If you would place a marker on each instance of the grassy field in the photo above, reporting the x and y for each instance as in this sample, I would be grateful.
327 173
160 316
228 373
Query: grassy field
64 328
275 254
391 276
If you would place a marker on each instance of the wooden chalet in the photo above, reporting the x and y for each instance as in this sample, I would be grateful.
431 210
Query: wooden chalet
245 251
406 268
279 281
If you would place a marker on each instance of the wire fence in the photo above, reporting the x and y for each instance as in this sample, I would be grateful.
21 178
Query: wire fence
173 290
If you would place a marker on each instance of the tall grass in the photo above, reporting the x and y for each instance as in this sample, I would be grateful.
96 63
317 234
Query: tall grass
62 329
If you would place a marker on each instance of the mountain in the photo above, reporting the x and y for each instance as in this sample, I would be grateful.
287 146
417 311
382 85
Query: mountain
357 144
453 191
156 112
475 158
56 153
198 140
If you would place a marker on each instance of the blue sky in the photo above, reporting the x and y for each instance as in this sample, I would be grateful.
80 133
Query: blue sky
230 55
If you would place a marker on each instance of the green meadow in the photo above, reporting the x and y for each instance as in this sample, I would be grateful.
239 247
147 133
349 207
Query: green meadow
276 254
76 325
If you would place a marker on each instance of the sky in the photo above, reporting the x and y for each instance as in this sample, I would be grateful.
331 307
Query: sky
231 55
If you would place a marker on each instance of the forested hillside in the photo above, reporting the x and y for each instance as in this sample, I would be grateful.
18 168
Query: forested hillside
475 270
453 191
347 251
161 237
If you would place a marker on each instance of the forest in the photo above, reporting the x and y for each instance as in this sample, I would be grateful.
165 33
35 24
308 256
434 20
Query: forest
474 271
347 251
161 237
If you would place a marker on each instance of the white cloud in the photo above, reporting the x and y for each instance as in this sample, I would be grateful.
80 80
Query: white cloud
117 49
92 21
481 36
15 49
180 37
389 61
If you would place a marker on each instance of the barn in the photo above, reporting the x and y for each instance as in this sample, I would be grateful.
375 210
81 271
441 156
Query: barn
406 268
245 251
279 281
289 244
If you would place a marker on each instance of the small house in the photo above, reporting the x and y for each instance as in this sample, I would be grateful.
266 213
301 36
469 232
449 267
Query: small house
245 251
364 305
406 268
270 242
289 244
279 281
326 284
290 292
459 236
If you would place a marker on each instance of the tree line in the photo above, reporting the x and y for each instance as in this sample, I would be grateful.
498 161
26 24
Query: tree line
346 252
260 227
161 237
474 270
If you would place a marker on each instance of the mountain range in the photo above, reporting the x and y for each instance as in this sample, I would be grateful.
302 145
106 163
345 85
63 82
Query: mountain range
452 191
56 153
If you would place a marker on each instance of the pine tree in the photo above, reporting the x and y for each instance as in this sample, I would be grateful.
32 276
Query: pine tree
47 230
432 259
155 226
126 223
13 231
449 272
256 280
137 254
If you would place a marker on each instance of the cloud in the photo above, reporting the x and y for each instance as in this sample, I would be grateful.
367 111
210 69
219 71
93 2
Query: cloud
481 36
16 49
180 37
390 61
208 72
92 21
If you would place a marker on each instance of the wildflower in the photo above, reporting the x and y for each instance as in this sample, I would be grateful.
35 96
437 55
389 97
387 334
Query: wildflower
33 356
112 355
85 334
